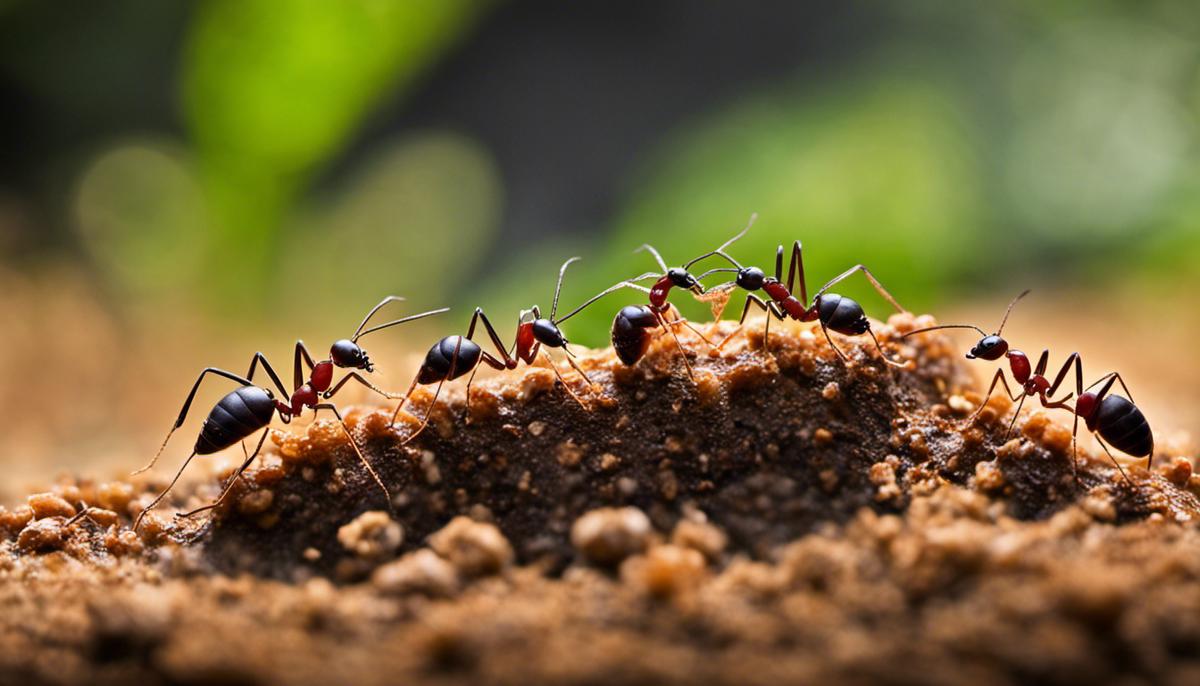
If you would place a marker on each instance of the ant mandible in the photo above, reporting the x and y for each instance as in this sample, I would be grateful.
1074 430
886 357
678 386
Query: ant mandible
249 408
454 356
831 311
631 328
1111 417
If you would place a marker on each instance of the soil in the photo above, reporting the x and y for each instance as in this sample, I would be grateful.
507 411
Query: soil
783 517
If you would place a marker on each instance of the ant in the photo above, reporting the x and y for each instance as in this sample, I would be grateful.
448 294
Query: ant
454 356
1112 418
832 311
632 326
249 408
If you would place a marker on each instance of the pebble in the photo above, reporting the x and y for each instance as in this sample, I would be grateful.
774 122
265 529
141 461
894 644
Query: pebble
607 536
42 535
702 537
474 548
114 496
371 535
49 505
664 571
422 571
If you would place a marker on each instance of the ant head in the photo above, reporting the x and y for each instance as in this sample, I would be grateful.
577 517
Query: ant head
990 347
548 333
682 278
347 353
750 278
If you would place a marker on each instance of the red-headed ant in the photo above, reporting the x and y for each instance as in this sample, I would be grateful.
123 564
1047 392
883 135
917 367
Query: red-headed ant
454 356
250 408
832 311
631 328
1113 418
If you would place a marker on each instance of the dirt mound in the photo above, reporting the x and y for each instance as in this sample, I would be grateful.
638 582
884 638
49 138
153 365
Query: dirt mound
782 518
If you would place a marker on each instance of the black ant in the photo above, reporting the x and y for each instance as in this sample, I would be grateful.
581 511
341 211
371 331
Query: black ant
249 408
631 328
832 311
1113 418
454 356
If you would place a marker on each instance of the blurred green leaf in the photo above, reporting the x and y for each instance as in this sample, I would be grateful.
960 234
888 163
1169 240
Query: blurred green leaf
274 88
139 212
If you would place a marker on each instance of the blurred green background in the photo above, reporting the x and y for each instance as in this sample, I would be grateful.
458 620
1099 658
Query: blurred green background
186 182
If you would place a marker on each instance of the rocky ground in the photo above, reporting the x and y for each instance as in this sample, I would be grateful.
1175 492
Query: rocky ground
783 518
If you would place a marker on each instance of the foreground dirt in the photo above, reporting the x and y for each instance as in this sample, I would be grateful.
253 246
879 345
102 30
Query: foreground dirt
785 518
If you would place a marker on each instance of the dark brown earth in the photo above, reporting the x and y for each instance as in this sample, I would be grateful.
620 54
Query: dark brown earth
784 518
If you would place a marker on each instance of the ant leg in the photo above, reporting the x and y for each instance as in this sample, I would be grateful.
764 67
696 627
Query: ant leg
840 354
187 404
1056 404
355 376
509 362
998 378
1110 378
260 358
751 299
491 362
882 354
404 399
354 444
870 277
1016 414
1114 460
432 403
563 381
571 361
1075 450
682 352
301 354
1074 359
680 320
232 479
467 409
428 412
85 512
158 498
796 266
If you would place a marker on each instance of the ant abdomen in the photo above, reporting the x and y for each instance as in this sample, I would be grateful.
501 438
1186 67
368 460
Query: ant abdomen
1123 425
236 416
630 332
437 365
842 314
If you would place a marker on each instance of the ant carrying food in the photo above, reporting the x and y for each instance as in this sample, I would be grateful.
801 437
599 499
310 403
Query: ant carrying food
832 311
1112 418
632 327
454 356
249 408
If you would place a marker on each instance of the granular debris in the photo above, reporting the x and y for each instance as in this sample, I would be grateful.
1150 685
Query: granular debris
786 519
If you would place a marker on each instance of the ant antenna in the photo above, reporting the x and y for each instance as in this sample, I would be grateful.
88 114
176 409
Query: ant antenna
971 326
1010 308
650 249
628 283
558 287
945 326
717 270
721 250
390 298
410 318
